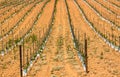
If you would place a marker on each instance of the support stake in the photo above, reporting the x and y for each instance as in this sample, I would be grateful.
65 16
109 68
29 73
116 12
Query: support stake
85 48
21 73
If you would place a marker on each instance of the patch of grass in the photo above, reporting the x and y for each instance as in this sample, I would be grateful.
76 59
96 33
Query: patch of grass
107 50
53 75
56 68
58 57
4 66
43 57
70 52
60 41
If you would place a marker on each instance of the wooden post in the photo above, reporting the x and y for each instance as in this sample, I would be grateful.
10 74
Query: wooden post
21 73
74 31
23 53
85 48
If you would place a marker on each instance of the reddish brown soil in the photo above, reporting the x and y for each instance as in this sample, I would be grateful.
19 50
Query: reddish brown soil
4 9
24 26
116 2
116 10
105 13
99 65
10 62
100 24
7 14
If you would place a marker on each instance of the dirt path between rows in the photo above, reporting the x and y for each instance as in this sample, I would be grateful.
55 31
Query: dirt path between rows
59 59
